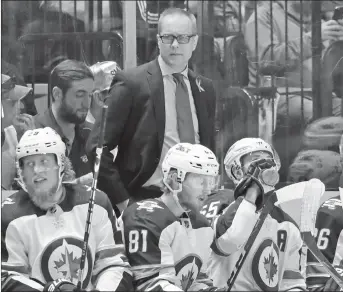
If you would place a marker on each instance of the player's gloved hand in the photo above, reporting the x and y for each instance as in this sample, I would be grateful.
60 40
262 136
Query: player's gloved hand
60 285
253 176
331 285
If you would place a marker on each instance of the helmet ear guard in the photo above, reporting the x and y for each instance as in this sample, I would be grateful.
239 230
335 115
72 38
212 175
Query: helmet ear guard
180 178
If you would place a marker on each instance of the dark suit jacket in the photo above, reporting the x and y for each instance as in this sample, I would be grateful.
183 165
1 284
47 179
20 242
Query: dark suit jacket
136 123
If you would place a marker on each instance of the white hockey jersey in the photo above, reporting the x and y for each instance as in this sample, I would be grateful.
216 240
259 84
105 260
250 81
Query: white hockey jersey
161 246
47 245
273 263
329 229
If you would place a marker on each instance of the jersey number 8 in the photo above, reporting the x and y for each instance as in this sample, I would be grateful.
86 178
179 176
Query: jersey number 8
138 240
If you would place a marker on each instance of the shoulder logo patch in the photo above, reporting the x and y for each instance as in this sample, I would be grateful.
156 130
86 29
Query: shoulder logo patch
84 158
61 259
265 266
8 201
148 205
187 270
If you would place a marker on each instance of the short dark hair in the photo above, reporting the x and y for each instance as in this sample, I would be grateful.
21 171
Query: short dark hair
177 11
66 72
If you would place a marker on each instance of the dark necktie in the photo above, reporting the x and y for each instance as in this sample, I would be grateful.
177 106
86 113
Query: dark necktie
183 111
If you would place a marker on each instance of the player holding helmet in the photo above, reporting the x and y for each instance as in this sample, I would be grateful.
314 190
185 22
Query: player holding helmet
162 235
43 226
273 261
329 229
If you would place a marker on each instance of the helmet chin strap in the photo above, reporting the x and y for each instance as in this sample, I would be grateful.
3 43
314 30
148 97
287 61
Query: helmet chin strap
175 193
177 203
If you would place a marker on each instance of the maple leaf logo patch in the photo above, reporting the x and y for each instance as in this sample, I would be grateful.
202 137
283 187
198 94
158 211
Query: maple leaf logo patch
270 266
187 280
265 264
187 270
61 260
68 265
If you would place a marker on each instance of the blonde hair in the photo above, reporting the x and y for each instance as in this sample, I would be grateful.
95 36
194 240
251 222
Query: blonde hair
68 172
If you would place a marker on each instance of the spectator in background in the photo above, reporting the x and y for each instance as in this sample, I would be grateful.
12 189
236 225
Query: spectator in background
328 8
71 84
13 125
331 31
147 108
320 156
324 134
322 164
11 64
148 13
49 19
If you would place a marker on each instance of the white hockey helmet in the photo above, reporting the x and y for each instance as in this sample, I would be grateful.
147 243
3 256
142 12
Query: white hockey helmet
189 158
233 158
41 141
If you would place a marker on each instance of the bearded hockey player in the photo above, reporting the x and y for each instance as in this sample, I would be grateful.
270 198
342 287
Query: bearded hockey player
42 226
164 241
329 229
273 261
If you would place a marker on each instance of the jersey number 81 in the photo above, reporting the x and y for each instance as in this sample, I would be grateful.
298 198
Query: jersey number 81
138 240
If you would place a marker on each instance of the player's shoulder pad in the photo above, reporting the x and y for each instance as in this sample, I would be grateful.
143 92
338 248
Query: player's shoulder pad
16 206
198 220
78 194
224 196
227 197
333 208
281 216
150 214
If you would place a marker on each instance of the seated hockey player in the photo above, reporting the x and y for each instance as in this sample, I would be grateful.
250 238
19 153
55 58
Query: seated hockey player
216 203
273 261
329 229
43 225
220 199
164 240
